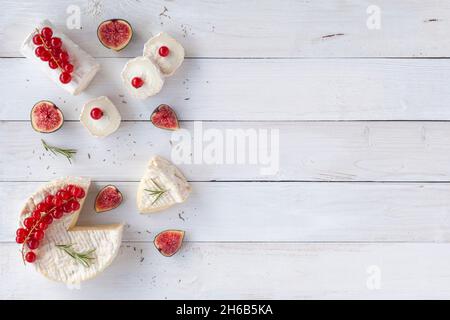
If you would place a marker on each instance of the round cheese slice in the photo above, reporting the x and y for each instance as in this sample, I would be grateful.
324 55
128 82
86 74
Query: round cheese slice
170 63
144 68
56 264
162 186
107 124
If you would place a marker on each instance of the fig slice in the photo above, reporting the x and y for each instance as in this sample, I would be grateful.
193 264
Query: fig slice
108 198
46 117
164 117
168 242
115 34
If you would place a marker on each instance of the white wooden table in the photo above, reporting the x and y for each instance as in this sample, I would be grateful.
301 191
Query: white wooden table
360 207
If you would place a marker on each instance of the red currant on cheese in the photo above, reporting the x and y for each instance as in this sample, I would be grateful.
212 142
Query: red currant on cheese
21 232
58 212
52 64
57 201
137 82
65 77
64 56
47 220
46 56
36 215
29 222
39 51
56 42
96 113
30 257
68 67
163 51
74 205
37 40
20 239
38 235
42 207
79 193
33 244
42 226
67 208
47 33
49 200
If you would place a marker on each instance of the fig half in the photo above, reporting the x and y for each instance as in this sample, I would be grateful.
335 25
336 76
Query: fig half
168 242
108 198
165 118
115 34
46 117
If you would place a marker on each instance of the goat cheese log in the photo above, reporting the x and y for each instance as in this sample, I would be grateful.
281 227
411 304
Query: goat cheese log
66 253
84 66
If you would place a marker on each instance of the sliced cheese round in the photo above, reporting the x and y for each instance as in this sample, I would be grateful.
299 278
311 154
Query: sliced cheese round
148 72
56 264
162 186
107 124
169 63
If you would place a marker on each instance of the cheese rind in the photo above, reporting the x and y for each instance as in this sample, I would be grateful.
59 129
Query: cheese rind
161 175
56 264
170 63
145 69
107 124
85 66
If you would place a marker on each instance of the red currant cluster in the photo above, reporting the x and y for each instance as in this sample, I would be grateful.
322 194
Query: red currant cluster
51 208
50 49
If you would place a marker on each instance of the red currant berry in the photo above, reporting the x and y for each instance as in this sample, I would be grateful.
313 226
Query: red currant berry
21 232
47 219
42 207
47 32
38 235
36 215
64 56
70 188
42 226
65 195
65 77
46 56
56 42
68 67
39 51
137 82
37 40
163 51
57 201
52 64
74 205
20 239
33 244
29 222
79 193
49 200
58 213
30 257
96 113
67 208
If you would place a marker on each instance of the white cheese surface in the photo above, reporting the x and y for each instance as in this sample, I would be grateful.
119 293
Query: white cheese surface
145 69
171 62
161 175
85 66
107 124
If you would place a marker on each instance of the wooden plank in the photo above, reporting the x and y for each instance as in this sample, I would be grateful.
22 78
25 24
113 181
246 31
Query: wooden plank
283 211
249 271
247 29
316 89
325 151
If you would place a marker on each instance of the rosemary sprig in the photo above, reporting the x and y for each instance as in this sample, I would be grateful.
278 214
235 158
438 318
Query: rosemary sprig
84 258
68 153
157 193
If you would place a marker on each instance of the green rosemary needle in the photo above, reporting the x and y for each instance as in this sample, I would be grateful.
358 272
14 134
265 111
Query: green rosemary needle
157 193
84 258
68 153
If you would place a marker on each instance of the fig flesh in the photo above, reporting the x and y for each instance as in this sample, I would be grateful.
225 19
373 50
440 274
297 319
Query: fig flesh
164 117
115 34
46 117
168 242
108 198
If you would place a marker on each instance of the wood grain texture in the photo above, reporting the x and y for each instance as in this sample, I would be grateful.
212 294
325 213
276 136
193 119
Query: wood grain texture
264 28
325 151
282 211
274 89
249 271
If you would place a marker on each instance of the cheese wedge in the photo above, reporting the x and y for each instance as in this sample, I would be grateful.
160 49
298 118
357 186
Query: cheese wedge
170 63
55 263
162 186
85 66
